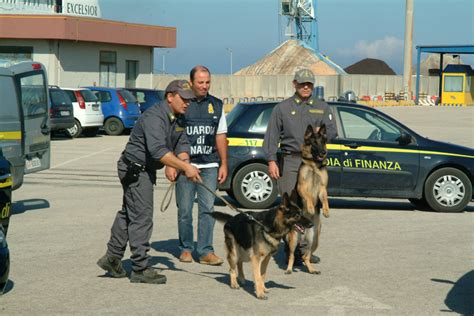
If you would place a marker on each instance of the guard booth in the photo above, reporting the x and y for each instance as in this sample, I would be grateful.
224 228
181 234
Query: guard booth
457 85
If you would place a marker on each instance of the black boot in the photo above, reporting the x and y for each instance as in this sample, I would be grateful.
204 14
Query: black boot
112 265
149 275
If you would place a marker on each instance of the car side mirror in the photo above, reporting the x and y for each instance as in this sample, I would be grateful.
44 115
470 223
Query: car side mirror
404 139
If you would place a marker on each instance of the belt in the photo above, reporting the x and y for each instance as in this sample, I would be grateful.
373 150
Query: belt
131 163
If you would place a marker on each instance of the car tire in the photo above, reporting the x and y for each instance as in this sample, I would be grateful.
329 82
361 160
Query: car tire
91 132
253 188
113 126
75 131
448 190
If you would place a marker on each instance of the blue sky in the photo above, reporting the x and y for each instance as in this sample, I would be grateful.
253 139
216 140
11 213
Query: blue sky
349 30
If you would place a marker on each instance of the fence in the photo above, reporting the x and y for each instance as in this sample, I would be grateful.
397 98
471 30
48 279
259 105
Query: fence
277 87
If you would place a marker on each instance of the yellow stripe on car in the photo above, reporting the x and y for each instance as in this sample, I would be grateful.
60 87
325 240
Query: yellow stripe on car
258 142
6 183
10 135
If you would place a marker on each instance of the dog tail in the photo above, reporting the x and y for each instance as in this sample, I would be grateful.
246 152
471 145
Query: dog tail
221 217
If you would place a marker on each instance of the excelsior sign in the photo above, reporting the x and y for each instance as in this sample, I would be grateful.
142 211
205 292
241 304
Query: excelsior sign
81 8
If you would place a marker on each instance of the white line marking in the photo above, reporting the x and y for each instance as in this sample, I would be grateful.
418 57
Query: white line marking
82 157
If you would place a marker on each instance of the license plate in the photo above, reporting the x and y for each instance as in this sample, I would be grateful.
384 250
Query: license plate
33 163
64 113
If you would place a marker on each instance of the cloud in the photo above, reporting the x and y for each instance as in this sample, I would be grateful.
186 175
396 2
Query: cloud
387 48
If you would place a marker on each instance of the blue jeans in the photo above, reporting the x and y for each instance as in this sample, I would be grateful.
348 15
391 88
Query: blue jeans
185 192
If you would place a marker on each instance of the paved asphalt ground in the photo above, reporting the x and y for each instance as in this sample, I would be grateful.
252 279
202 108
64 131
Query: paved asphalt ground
377 256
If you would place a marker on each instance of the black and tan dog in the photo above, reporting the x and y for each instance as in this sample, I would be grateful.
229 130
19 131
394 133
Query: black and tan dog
311 186
257 240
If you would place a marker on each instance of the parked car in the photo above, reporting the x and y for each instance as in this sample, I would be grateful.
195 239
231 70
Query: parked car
88 116
147 97
5 213
61 113
120 109
374 155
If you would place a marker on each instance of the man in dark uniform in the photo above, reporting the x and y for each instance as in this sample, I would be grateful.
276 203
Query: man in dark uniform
206 129
287 126
157 139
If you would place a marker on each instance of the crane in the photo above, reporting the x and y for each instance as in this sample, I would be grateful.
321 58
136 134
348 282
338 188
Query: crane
302 22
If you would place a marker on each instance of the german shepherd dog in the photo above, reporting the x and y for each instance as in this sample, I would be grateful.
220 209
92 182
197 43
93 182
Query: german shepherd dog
311 185
257 240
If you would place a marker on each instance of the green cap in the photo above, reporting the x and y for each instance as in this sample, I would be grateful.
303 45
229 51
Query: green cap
304 75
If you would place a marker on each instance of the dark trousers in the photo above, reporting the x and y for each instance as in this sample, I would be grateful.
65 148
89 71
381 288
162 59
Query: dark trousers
289 166
134 222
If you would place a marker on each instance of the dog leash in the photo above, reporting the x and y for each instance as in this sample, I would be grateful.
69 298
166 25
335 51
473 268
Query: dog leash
168 195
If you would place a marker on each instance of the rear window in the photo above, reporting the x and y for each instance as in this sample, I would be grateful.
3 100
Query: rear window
59 97
103 96
71 95
88 96
127 96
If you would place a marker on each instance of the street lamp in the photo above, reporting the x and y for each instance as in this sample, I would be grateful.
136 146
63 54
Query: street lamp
164 54
230 52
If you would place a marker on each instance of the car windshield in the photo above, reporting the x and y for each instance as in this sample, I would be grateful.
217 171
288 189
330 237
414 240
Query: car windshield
59 97
88 96
127 96
234 113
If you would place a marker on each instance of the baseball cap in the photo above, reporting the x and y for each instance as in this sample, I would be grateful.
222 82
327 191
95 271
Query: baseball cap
304 75
182 87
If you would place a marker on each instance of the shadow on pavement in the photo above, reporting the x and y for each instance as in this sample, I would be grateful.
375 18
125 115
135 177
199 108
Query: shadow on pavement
29 205
460 297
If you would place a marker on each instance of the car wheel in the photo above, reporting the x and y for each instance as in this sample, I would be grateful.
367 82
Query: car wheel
253 188
448 190
76 130
113 126
91 132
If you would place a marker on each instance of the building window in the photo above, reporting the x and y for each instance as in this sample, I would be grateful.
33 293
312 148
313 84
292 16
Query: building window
16 53
453 83
131 73
108 69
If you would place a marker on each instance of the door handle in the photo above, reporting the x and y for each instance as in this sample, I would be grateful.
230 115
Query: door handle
352 145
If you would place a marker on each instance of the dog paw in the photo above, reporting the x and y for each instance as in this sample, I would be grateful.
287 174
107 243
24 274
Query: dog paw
262 296
326 213
235 286
315 272
288 271
265 290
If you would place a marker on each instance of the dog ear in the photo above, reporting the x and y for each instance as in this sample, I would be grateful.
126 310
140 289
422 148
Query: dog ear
322 129
285 199
309 131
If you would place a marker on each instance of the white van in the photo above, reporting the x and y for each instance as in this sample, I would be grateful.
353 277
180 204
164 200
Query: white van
87 112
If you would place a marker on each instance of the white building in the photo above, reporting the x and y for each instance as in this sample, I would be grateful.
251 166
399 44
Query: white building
77 47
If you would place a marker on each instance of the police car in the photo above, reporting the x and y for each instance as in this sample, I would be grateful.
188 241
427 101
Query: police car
373 156
5 213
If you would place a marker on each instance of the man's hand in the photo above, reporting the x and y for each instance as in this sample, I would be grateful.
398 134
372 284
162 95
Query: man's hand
273 170
171 173
192 173
222 174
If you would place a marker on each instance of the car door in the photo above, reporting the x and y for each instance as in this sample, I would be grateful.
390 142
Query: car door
374 161
35 118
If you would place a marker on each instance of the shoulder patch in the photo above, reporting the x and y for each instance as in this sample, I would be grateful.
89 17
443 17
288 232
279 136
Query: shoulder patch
210 108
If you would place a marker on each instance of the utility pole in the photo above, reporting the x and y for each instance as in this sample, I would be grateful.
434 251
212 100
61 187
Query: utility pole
164 59
407 56
230 52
